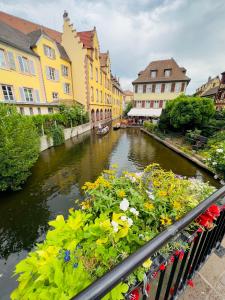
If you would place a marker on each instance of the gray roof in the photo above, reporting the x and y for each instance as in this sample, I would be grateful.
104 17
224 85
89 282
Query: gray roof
210 92
15 38
62 52
34 36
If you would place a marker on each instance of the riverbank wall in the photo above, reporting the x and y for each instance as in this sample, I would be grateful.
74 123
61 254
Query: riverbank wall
178 151
47 142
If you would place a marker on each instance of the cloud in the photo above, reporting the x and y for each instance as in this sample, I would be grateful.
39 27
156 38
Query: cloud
136 32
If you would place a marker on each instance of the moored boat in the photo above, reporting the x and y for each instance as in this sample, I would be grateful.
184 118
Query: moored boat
117 126
102 131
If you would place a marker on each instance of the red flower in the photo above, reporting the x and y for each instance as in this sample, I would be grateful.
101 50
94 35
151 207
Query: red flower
206 219
199 230
154 274
181 256
190 283
171 291
162 267
135 295
177 252
148 287
172 259
214 210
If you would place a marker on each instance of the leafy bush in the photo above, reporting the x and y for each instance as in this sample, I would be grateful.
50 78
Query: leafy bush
192 136
118 216
57 135
186 112
128 108
149 126
19 147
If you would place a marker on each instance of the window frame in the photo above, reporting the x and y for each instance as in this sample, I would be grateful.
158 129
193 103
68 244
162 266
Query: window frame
55 98
7 92
28 92
153 72
3 66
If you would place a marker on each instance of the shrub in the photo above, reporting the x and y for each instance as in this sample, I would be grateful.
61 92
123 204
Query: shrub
186 112
118 216
149 126
19 147
192 136
128 108
57 135
216 158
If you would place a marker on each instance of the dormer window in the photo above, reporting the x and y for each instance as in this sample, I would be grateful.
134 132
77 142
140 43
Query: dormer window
167 72
153 73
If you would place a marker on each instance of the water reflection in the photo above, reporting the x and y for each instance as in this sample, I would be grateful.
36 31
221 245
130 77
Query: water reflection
56 182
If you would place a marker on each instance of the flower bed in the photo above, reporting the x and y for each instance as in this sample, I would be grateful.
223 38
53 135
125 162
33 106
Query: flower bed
119 215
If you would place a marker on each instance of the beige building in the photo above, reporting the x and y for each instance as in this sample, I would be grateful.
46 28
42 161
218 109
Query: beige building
161 81
128 96
209 89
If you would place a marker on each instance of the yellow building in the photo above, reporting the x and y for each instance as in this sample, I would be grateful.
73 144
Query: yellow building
71 68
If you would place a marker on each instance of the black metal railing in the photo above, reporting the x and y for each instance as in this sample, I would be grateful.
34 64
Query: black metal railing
168 276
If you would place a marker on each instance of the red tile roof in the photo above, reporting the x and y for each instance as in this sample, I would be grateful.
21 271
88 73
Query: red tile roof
103 59
86 38
27 26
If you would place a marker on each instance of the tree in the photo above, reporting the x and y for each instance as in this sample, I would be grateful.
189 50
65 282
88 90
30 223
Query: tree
186 112
19 147
128 108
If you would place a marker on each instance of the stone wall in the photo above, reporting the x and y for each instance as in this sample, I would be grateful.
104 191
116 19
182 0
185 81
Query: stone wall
46 142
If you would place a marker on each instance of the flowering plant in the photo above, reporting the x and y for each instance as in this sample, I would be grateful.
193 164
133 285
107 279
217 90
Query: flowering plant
119 215
216 159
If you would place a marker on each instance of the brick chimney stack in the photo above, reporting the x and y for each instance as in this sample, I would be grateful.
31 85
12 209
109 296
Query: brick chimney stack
223 78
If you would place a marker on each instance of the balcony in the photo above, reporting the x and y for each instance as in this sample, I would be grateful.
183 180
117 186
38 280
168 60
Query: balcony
170 274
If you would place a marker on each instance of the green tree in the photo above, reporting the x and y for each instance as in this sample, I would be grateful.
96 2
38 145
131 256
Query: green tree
128 108
19 147
186 112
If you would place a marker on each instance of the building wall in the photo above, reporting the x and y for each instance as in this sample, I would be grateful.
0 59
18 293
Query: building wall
211 83
56 86
77 54
18 79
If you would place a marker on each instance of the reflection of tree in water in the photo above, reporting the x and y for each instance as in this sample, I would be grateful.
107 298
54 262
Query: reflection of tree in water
24 215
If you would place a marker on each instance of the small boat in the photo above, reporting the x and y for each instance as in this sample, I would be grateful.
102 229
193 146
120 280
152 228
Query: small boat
123 126
117 126
102 131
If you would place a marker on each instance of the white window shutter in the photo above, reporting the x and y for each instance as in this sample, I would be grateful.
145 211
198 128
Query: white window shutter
20 60
11 61
36 94
31 67
47 73
56 75
22 97
63 85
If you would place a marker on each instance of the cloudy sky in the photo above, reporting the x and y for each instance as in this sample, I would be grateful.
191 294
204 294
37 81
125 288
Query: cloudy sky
139 31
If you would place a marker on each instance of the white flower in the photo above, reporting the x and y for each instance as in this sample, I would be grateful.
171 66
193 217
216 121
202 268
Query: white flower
134 211
222 182
141 236
214 163
123 218
139 174
132 179
219 150
130 221
150 195
209 159
124 204
216 176
115 226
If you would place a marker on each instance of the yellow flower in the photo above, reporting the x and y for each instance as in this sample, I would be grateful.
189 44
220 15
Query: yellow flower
148 206
86 204
121 194
147 264
165 220
162 193
176 205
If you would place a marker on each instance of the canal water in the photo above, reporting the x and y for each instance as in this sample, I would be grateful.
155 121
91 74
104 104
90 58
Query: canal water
56 183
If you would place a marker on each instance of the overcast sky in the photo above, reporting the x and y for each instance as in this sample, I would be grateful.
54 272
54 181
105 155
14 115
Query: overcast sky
138 31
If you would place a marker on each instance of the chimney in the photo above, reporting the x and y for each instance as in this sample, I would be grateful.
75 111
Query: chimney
223 78
209 78
65 14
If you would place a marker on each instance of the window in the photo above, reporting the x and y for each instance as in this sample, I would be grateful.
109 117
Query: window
22 110
55 96
28 94
96 53
66 88
11 60
147 104
158 88
7 92
148 88
156 104
24 65
65 71
91 71
177 87
97 95
92 94
96 72
48 51
31 111
39 110
153 73
167 72
140 89
101 97
52 74
168 87
138 104
100 77
50 110
2 59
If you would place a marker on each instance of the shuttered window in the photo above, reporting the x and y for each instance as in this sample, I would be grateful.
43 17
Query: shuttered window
28 94
7 92
32 69
23 63
3 63
11 60
49 52
66 88
144 88
52 74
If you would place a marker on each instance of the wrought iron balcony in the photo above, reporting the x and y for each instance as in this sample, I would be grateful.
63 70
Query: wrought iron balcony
170 274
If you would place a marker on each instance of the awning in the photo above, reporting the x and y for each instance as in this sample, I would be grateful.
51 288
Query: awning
145 112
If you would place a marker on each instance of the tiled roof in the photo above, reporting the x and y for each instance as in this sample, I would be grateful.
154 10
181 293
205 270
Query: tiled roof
210 92
177 74
86 38
34 36
103 59
27 26
128 93
15 38
62 52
